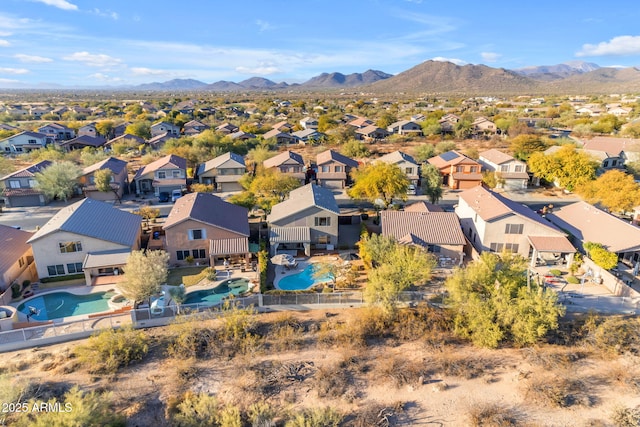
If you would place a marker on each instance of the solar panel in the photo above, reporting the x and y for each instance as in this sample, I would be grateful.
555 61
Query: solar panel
448 156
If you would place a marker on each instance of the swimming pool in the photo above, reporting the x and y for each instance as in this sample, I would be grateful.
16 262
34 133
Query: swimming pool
57 305
303 280
235 286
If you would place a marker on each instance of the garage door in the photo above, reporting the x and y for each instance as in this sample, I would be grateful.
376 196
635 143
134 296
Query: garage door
332 183
24 201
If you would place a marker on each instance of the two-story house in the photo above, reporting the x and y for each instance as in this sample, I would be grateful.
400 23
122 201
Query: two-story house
203 228
223 172
20 188
57 132
227 128
194 127
510 172
281 138
406 163
308 136
89 129
119 179
16 260
491 222
288 162
90 237
23 142
82 141
307 220
334 169
405 127
309 123
482 125
458 171
162 128
166 174
371 133
612 152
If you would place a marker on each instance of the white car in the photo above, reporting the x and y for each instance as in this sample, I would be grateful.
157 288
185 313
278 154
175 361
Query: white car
175 195
411 190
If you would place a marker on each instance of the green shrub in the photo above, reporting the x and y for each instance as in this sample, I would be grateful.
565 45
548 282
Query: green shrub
62 278
112 349
16 290
573 280
189 339
555 272
626 417
210 273
316 417
492 414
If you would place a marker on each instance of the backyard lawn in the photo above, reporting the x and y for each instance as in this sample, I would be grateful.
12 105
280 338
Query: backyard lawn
187 275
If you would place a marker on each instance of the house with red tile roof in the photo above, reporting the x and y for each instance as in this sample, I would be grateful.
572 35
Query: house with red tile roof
510 172
458 171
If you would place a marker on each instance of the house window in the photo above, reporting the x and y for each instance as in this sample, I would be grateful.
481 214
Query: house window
433 249
496 247
181 255
324 169
323 239
21 262
511 247
176 174
338 168
514 229
198 253
14 184
197 234
459 168
162 174
69 247
408 171
518 168
32 141
504 168
55 270
33 183
323 221
614 163
474 169
75 267
605 164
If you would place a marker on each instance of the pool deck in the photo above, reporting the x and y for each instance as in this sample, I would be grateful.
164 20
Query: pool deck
281 271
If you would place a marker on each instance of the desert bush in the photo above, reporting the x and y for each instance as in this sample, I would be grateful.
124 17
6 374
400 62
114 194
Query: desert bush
376 414
237 332
553 357
573 280
196 410
332 381
189 338
627 377
422 322
284 333
556 391
400 371
316 417
112 349
492 415
623 416
261 414
614 335
459 366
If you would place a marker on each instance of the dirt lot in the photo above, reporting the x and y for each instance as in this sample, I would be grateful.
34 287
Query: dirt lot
419 374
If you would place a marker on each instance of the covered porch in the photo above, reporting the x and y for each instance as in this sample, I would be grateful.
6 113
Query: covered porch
284 239
547 250
234 251
106 267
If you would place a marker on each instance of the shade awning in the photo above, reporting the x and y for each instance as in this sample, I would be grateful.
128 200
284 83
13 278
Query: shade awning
106 259
290 235
235 246
558 244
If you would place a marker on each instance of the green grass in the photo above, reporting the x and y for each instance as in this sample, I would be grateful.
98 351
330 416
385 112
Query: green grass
188 275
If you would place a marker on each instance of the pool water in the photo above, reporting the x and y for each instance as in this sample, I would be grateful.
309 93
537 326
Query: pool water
215 295
303 280
57 305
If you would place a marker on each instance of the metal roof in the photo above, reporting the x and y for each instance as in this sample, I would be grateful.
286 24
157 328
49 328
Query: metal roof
239 245
106 258
289 234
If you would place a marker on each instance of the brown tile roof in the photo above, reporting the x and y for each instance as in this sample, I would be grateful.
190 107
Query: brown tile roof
29 171
209 209
587 223
449 158
496 156
430 228
423 207
551 244
13 245
329 155
283 157
611 145
170 160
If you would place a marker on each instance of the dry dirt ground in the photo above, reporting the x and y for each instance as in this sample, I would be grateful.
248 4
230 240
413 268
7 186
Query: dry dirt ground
427 380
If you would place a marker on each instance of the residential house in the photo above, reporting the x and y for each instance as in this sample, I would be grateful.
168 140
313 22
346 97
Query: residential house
371 133
16 260
307 220
119 180
437 232
281 138
405 127
194 127
82 141
90 237
308 136
458 171
158 141
491 222
20 188
60 110
185 107
241 136
619 111
510 172
361 122
23 142
283 126
88 130
39 111
448 123
309 123
288 162
482 125
423 207
223 172
126 139
334 169
203 228
162 128
586 223
120 129
163 175
406 163
56 132
612 152
227 128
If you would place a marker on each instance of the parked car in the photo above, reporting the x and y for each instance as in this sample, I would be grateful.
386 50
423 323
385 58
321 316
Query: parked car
175 195
164 197
411 190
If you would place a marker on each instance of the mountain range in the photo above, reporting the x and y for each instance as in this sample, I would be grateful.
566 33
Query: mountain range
442 78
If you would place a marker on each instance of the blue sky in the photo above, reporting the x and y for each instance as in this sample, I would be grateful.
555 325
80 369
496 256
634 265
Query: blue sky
117 42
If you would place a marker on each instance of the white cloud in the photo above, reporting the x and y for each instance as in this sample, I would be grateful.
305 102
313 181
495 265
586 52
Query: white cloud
490 56
92 60
143 71
452 60
4 43
9 81
32 58
106 13
5 33
264 25
617 46
261 70
4 70
60 4
105 78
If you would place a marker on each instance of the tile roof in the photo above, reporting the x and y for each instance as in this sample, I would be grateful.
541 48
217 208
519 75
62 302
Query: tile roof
397 157
214 163
283 157
612 146
303 198
429 228
13 245
449 158
114 165
496 156
29 171
329 155
209 209
93 218
170 160
489 206
423 207
589 224
87 140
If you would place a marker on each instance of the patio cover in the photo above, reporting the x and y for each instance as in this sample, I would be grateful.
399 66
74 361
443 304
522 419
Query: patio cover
239 245
106 259
558 244
290 235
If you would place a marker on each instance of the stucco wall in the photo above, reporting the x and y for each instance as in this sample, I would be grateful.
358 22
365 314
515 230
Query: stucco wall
306 218
177 238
